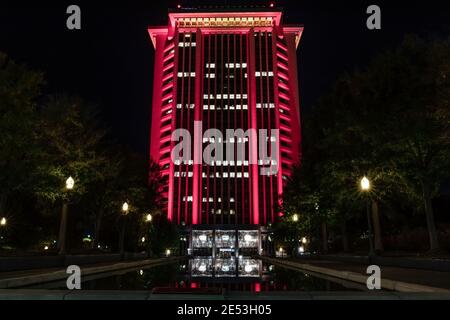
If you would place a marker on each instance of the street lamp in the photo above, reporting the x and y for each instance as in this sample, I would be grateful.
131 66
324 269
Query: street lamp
365 184
295 220
70 183
148 219
125 209
365 187
2 226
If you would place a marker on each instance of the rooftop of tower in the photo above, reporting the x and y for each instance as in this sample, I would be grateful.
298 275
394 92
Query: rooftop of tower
224 16
226 8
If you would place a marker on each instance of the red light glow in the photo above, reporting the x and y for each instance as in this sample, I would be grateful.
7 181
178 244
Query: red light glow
193 193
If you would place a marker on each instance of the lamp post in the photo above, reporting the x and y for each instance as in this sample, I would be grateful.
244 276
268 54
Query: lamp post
148 219
63 225
2 227
365 187
125 208
295 248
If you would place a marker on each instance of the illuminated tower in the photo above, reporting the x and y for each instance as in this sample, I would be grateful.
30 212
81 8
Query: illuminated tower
226 69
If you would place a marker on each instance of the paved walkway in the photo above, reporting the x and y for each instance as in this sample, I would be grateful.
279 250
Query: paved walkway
392 278
423 277
14 294
30 277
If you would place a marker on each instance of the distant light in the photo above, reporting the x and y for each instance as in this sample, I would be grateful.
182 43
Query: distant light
141 272
202 268
365 183
125 207
225 268
202 237
98 246
46 248
148 217
87 239
143 239
3 222
281 249
271 5
295 217
179 6
304 240
168 252
248 268
301 249
70 183
225 237
247 238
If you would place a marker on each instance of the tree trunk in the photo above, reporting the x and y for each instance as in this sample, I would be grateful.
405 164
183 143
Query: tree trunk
122 236
432 232
3 198
98 225
296 245
324 238
376 227
345 244
63 229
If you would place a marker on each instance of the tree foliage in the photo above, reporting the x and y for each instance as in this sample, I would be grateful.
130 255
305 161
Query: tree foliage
47 138
389 122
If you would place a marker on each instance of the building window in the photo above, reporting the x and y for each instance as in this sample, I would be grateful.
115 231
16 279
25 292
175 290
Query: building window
263 73
187 44
236 65
186 74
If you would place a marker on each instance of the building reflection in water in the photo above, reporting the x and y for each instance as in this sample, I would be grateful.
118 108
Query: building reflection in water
225 267
225 253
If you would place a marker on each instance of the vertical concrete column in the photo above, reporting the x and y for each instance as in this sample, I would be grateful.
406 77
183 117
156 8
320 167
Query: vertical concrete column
196 184
253 125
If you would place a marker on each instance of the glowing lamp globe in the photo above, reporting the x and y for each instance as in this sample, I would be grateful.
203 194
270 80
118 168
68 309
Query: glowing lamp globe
365 184
70 183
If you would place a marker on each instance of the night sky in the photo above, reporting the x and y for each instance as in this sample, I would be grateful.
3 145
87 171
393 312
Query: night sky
110 60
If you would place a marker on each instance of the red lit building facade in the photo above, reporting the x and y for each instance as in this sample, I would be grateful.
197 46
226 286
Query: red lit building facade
226 69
